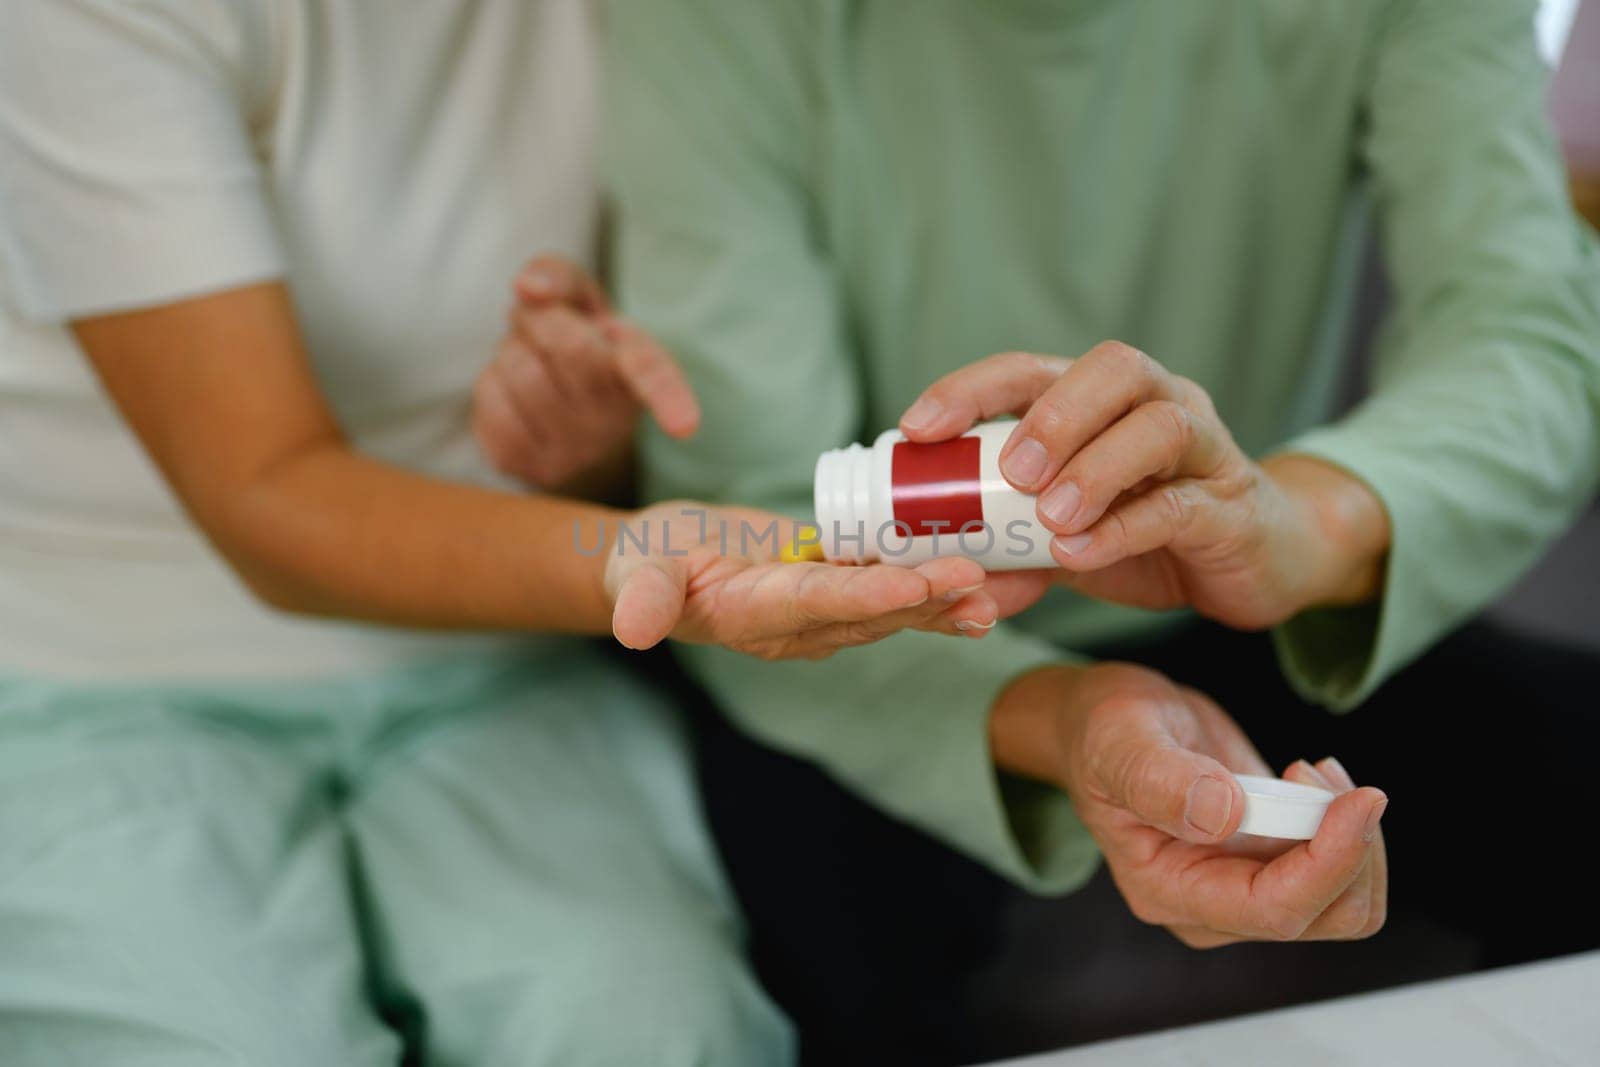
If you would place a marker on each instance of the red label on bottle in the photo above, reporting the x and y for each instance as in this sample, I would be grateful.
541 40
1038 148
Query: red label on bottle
937 488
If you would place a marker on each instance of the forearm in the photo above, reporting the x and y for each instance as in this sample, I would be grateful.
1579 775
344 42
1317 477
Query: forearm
1480 434
220 392
331 532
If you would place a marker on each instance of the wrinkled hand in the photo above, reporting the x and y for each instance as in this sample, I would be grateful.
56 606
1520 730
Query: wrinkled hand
1147 766
562 396
688 572
1152 501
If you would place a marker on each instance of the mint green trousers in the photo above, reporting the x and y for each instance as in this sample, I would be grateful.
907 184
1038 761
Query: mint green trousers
482 862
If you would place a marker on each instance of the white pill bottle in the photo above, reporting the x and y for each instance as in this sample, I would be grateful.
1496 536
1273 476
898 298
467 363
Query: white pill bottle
905 503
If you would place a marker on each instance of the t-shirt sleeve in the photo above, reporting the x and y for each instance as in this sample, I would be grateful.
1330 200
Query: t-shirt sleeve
128 176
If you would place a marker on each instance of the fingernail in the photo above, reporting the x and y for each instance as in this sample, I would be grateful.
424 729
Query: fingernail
1210 802
1026 464
538 281
956 594
973 624
924 413
1061 503
1071 546
1371 831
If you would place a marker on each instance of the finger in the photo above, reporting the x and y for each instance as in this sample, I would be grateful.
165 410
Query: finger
1304 773
1161 440
1292 891
952 577
649 600
1333 772
1362 909
655 379
1097 390
972 616
1348 917
789 598
540 404
1143 766
574 350
510 441
1202 938
1144 524
1004 383
550 279
1378 912
956 604
1281 899
826 640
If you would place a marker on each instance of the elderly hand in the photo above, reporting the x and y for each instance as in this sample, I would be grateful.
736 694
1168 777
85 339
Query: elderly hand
1147 766
558 404
1152 502
710 576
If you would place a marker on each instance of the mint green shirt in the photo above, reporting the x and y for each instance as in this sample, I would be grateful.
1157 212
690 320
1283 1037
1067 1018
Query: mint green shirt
826 204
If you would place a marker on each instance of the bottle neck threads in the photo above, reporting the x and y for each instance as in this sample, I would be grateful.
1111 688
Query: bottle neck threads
843 500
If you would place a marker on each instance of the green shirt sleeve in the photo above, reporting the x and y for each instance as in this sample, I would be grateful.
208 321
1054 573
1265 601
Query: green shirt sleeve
710 156
1480 437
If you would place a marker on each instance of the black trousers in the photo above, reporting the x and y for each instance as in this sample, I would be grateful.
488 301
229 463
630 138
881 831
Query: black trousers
887 948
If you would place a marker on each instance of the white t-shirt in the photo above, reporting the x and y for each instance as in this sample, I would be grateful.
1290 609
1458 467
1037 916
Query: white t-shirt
394 160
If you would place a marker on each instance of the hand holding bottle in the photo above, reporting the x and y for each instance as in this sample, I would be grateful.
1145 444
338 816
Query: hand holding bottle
1151 501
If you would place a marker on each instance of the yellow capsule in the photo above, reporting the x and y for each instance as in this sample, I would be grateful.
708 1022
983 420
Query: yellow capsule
804 547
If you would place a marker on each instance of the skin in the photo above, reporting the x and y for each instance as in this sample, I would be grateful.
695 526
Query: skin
557 406
1147 763
1152 502
1147 766
1154 505
220 392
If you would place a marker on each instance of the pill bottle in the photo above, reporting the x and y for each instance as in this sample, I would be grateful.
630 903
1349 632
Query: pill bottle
905 503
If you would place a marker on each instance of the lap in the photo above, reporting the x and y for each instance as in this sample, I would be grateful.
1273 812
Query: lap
542 882
171 893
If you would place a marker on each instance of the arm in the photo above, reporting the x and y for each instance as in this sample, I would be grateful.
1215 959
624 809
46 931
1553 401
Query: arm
1482 435
220 392
129 179
1148 764
1365 541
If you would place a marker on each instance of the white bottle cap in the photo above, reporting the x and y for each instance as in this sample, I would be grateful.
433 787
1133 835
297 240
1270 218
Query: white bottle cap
1276 808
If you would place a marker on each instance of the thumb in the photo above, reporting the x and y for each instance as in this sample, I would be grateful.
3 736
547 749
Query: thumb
649 601
1181 792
